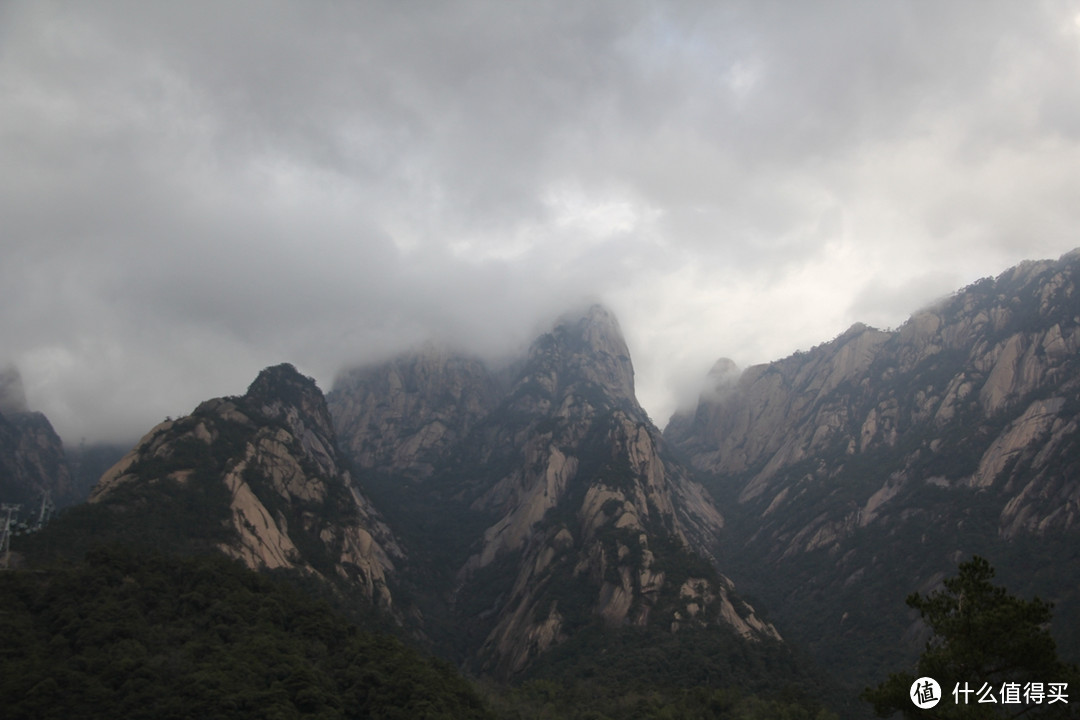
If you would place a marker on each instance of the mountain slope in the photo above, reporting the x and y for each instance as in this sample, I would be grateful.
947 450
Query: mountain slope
405 416
258 477
124 634
863 469
547 506
32 459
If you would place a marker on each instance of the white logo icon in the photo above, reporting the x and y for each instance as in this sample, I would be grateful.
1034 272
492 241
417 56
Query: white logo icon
925 693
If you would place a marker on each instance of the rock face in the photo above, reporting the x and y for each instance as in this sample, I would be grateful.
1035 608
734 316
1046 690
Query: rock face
892 453
579 516
291 500
32 459
406 415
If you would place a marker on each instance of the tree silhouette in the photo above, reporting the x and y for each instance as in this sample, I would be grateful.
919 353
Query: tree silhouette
991 654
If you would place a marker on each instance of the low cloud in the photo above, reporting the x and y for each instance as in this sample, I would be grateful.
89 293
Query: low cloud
192 192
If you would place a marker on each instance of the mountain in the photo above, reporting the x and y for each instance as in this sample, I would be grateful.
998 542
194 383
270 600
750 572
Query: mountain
32 459
539 504
258 477
407 415
863 469
532 525
128 634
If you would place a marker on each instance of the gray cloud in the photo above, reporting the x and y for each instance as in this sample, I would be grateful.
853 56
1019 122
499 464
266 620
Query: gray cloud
192 191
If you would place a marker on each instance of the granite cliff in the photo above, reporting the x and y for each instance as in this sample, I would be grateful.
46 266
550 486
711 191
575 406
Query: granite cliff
32 458
559 506
868 465
265 468
406 415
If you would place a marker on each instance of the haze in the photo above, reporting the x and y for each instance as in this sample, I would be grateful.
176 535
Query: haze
193 191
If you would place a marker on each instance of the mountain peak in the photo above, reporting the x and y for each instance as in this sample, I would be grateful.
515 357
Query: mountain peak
595 326
724 372
282 393
592 348
956 429
280 381
266 469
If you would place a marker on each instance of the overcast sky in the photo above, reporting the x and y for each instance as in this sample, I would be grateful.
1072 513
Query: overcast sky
192 191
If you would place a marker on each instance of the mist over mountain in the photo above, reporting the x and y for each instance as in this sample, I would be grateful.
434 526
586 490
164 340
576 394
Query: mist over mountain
527 521
34 469
333 185
437 211
12 393
538 500
873 462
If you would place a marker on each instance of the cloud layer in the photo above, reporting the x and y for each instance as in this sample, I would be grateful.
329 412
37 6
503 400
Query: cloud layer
192 191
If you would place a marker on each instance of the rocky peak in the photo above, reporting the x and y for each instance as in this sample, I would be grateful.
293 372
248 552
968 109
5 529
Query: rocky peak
281 393
583 347
32 458
724 370
279 382
959 429
32 461
723 376
268 463
569 509
979 364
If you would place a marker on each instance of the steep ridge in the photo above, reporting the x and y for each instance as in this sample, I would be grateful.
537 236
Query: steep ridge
405 416
563 507
260 478
32 459
862 469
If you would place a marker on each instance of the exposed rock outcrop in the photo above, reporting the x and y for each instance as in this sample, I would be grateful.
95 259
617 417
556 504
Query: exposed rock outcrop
883 455
582 516
991 374
292 503
405 416
32 458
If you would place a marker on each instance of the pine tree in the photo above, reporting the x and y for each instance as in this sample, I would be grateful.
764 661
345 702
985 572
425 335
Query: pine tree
990 653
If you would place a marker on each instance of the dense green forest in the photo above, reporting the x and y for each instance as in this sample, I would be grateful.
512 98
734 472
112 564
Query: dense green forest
145 635
132 635
93 628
